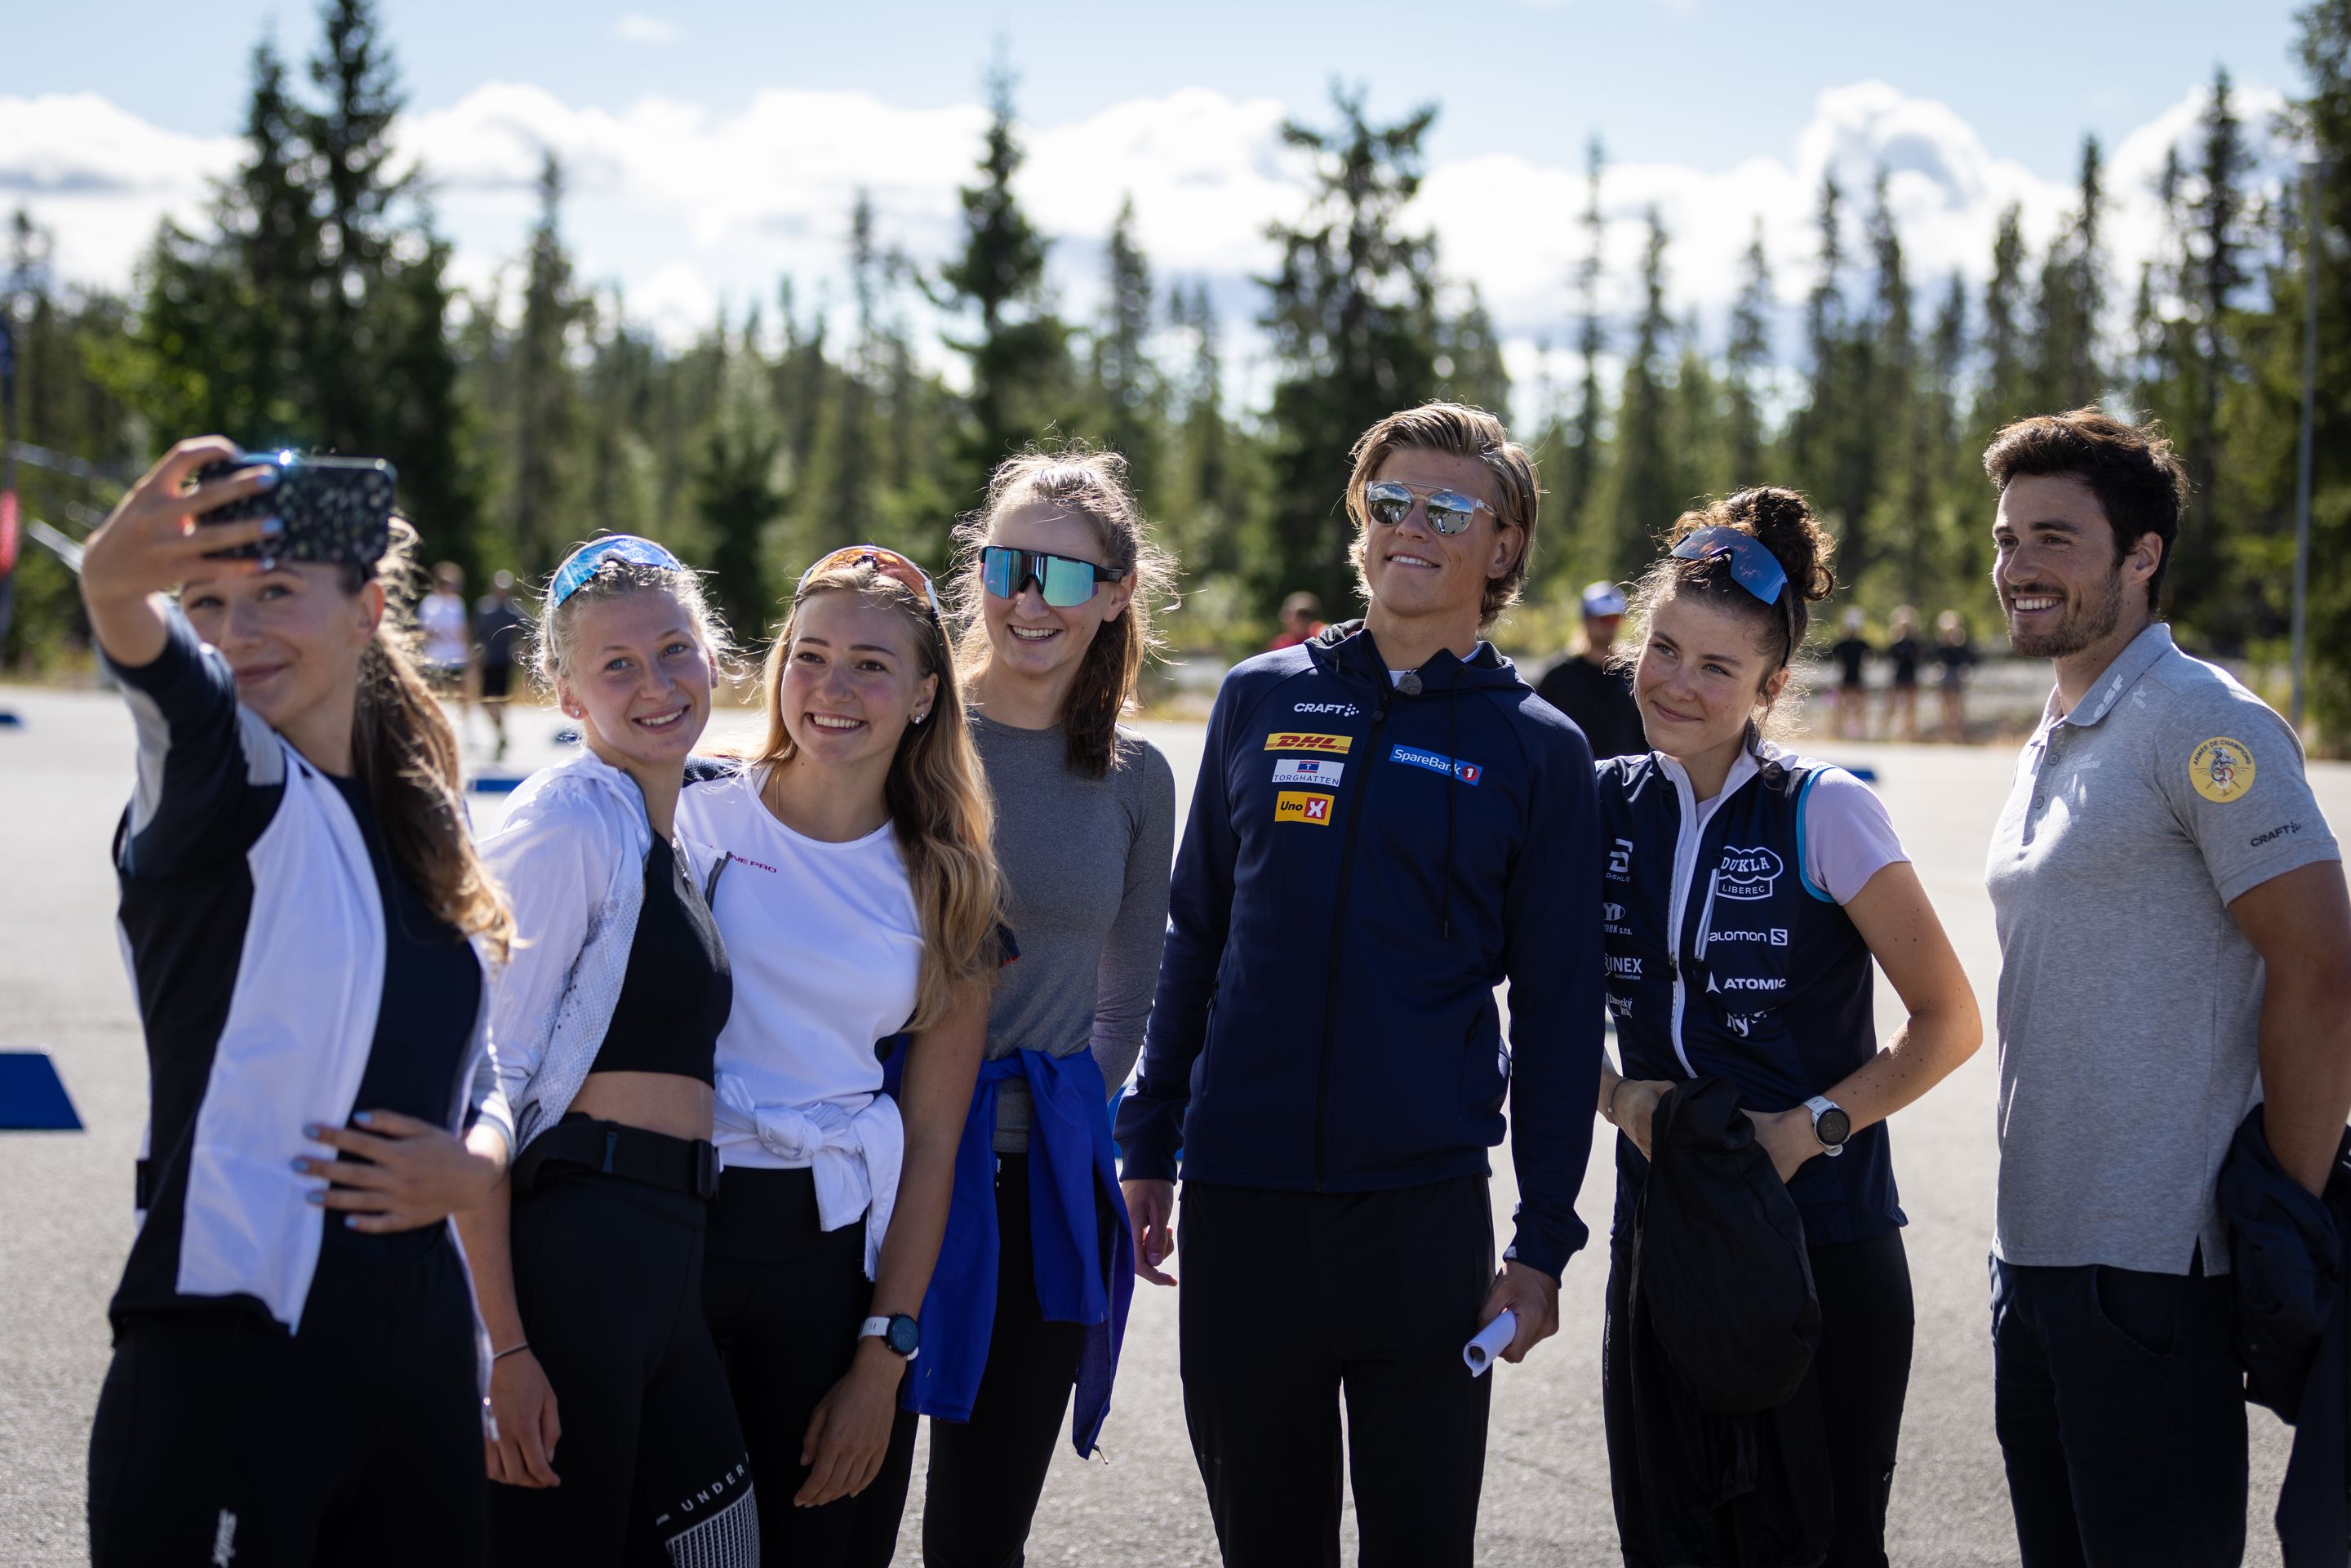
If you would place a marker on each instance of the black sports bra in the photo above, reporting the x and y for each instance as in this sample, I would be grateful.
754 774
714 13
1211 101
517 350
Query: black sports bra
678 990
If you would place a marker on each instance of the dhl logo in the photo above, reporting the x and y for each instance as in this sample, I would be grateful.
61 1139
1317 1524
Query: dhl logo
1302 806
1291 740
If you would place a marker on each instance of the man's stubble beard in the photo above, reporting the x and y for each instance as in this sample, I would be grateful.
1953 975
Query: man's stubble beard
2081 629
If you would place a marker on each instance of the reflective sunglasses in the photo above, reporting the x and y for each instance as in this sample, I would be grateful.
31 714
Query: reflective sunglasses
589 559
887 563
1752 565
1389 501
1064 582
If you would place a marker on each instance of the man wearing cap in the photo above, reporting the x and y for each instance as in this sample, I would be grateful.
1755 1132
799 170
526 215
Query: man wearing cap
2175 938
1582 686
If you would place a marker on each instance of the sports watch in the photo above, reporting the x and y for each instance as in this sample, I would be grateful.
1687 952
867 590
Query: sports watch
898 1332
1831 1125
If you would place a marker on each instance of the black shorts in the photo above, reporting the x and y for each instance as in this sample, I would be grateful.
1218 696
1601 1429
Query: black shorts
497 679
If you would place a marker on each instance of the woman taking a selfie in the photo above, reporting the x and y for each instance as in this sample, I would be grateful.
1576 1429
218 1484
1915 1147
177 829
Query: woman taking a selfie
1749 893
1058 594
616 1440
305 925
852 881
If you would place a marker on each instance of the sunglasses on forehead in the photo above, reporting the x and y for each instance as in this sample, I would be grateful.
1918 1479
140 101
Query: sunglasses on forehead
887 563
1752 565
1388 502
590 558
1063 581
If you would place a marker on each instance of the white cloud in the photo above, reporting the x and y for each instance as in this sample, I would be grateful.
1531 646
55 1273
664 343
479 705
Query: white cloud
685 209
636 27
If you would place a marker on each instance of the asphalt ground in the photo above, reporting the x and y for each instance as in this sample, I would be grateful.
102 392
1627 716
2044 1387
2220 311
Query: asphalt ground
65 1208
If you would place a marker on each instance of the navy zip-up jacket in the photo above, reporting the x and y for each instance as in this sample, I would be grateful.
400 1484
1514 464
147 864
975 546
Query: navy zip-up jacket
1364 865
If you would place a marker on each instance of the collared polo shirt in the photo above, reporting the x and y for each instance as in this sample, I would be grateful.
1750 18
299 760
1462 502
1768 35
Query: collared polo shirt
2129 1001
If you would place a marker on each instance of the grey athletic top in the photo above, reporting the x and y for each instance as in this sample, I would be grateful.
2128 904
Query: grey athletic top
1086 864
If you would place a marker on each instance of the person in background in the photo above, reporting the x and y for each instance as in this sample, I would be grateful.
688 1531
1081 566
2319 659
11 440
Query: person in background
2174 939
1954 657
1302 618
1787 879
1906 654
1851 653
1056 593
447 655
500 629
1388 825
1587 688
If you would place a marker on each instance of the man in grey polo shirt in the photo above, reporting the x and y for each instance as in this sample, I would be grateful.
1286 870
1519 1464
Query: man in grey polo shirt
2175 938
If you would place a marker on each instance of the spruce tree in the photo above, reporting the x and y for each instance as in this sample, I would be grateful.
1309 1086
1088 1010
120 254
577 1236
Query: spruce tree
543 484
1747 361
1644 490
1126 384
1351 312
1580 463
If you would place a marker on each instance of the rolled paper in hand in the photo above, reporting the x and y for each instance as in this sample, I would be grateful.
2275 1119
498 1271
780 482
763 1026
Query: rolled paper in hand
1491 1341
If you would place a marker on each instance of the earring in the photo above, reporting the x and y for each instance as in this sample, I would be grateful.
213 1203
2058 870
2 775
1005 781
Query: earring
920 717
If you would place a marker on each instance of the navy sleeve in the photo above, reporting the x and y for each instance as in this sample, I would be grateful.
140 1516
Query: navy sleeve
210 773
1552 957
1200 912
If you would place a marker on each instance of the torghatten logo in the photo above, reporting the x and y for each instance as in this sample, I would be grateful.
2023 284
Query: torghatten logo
1747 873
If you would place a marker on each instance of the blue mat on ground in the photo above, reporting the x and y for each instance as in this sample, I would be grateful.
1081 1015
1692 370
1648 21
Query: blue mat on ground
32 1098
493 784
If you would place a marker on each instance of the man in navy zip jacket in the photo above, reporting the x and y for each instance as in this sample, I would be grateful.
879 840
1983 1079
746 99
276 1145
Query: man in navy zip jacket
1387 825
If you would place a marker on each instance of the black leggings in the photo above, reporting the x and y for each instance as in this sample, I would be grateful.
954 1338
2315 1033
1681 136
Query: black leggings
987 1473
785 1299
608 1275
1862 1370
358 1440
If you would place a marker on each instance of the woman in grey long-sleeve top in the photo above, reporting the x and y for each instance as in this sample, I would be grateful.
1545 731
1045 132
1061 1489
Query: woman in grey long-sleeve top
1058 578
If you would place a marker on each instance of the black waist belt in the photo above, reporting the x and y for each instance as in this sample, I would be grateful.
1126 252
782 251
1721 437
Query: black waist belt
656 1159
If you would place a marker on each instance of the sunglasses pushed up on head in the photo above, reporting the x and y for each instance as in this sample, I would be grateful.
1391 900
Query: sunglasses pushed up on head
1062 581
1388 502
885 562
1752 565
590 558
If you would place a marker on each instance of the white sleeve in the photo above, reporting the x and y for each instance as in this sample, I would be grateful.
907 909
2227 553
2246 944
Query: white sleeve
1848 837
553 855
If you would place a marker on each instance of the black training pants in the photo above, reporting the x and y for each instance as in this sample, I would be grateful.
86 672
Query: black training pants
1293 1300
1862 1370
785 1299
220 1439
608 1275
987 1473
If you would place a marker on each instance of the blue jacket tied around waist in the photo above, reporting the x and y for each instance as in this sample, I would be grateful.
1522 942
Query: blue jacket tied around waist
1070 1168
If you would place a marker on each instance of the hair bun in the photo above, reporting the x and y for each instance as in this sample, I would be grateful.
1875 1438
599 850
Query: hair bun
1782 520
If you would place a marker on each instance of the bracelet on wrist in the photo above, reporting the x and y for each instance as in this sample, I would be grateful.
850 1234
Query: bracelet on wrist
1610 1113
501 1356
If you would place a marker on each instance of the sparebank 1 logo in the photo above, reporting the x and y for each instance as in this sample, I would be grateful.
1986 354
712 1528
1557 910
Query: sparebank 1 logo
1747 873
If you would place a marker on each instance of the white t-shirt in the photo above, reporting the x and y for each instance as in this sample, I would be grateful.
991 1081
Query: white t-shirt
826 946
1848 835
441 618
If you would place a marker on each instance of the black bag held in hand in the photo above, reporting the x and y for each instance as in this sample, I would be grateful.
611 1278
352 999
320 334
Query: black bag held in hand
336 509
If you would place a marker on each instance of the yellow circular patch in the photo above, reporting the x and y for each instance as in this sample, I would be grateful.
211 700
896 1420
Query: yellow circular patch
2221 769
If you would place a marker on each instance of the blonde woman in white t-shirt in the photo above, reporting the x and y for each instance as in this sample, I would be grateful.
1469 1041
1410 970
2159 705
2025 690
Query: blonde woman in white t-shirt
858 895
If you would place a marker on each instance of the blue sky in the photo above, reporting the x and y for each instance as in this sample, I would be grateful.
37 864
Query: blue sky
714 147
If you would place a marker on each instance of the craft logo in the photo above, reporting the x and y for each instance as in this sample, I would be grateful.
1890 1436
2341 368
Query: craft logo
1344 710
1747 873
2221 769
1292 740
1311 770
1436 762
1297 806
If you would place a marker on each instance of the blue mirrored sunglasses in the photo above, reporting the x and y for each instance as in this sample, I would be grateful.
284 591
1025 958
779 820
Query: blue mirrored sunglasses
589 559
1752 565
1064 582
